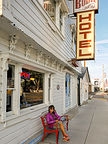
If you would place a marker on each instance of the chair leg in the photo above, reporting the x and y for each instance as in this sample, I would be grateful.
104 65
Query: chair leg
57 137
43 136
67 125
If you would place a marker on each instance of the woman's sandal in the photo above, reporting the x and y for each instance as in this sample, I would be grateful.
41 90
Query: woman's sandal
66 136
65 139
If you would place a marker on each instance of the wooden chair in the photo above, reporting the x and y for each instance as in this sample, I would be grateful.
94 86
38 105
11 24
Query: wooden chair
48 130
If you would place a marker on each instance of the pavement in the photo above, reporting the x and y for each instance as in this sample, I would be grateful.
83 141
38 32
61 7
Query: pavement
89 126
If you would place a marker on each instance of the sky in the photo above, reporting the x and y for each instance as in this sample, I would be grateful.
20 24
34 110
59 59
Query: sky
101 43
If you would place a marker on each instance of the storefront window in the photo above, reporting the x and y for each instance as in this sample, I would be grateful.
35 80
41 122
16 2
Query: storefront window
31 88
50 6
10 87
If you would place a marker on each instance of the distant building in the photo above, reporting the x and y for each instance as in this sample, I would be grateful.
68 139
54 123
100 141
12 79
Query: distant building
85 86
106 85
96 84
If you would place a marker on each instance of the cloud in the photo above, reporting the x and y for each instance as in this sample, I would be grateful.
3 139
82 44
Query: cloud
102 42
101 57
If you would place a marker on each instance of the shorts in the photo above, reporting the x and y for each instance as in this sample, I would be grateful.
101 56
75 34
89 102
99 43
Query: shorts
59 122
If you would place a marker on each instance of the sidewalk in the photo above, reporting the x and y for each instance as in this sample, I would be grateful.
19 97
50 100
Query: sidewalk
89 126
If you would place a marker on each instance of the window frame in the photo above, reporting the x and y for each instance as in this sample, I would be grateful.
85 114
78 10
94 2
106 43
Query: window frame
10 112
16 111
50 9
35 70
61 20
45 90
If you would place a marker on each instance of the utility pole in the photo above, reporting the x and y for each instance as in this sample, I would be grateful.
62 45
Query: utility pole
103 78
84 63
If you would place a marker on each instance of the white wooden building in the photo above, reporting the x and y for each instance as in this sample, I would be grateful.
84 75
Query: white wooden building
85 85
36 42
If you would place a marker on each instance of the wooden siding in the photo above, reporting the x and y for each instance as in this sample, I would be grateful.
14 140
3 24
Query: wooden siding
32 19
58 79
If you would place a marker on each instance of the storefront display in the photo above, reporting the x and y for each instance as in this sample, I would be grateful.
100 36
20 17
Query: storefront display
31 92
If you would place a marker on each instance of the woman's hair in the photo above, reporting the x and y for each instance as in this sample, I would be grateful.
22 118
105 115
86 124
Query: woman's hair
50 107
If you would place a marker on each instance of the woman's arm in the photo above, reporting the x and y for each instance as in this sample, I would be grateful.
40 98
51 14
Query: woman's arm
58 117
48 120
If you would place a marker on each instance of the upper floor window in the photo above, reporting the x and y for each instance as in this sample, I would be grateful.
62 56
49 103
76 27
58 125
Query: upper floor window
50 7
73 31
61 20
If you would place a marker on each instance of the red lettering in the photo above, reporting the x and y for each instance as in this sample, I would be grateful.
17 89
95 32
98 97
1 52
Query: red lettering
82 18
84 44
85 24
80 53
79 3
25 74
85 34
22 74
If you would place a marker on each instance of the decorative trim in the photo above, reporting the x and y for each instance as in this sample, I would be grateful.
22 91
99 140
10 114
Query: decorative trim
4 64
40 57
12 43
28 48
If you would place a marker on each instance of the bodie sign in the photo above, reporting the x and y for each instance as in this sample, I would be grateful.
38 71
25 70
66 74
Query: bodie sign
85 5
86 35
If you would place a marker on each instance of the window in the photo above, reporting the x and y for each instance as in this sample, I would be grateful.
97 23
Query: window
50 7
61 20
31 92
73 30
49 88
10 87
67 90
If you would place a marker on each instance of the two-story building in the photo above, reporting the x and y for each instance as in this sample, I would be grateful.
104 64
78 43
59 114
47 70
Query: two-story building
37 43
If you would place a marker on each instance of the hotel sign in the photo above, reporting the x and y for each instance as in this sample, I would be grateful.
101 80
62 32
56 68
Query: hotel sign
85 5
85 35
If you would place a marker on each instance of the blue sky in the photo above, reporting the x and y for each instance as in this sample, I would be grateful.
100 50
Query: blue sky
101 38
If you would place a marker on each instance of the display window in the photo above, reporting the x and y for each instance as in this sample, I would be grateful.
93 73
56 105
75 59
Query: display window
31 92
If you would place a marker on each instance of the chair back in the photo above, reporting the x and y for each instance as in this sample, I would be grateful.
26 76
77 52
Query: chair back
43 119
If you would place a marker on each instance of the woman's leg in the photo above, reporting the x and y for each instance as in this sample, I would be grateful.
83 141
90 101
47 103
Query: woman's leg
62 128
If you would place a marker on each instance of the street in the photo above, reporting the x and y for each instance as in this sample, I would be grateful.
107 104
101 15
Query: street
89 126
101 95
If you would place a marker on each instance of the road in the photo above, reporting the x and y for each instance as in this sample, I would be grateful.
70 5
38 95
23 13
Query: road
101 95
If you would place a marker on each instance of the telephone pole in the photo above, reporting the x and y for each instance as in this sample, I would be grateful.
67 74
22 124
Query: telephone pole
103 78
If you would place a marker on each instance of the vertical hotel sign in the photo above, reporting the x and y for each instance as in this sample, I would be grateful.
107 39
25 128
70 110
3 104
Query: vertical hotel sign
85 10
85 35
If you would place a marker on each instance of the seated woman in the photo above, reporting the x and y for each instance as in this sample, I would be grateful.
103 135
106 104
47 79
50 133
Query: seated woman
52 117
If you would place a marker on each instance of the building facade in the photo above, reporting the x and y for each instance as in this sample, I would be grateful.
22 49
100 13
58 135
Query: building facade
37 42
84 85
